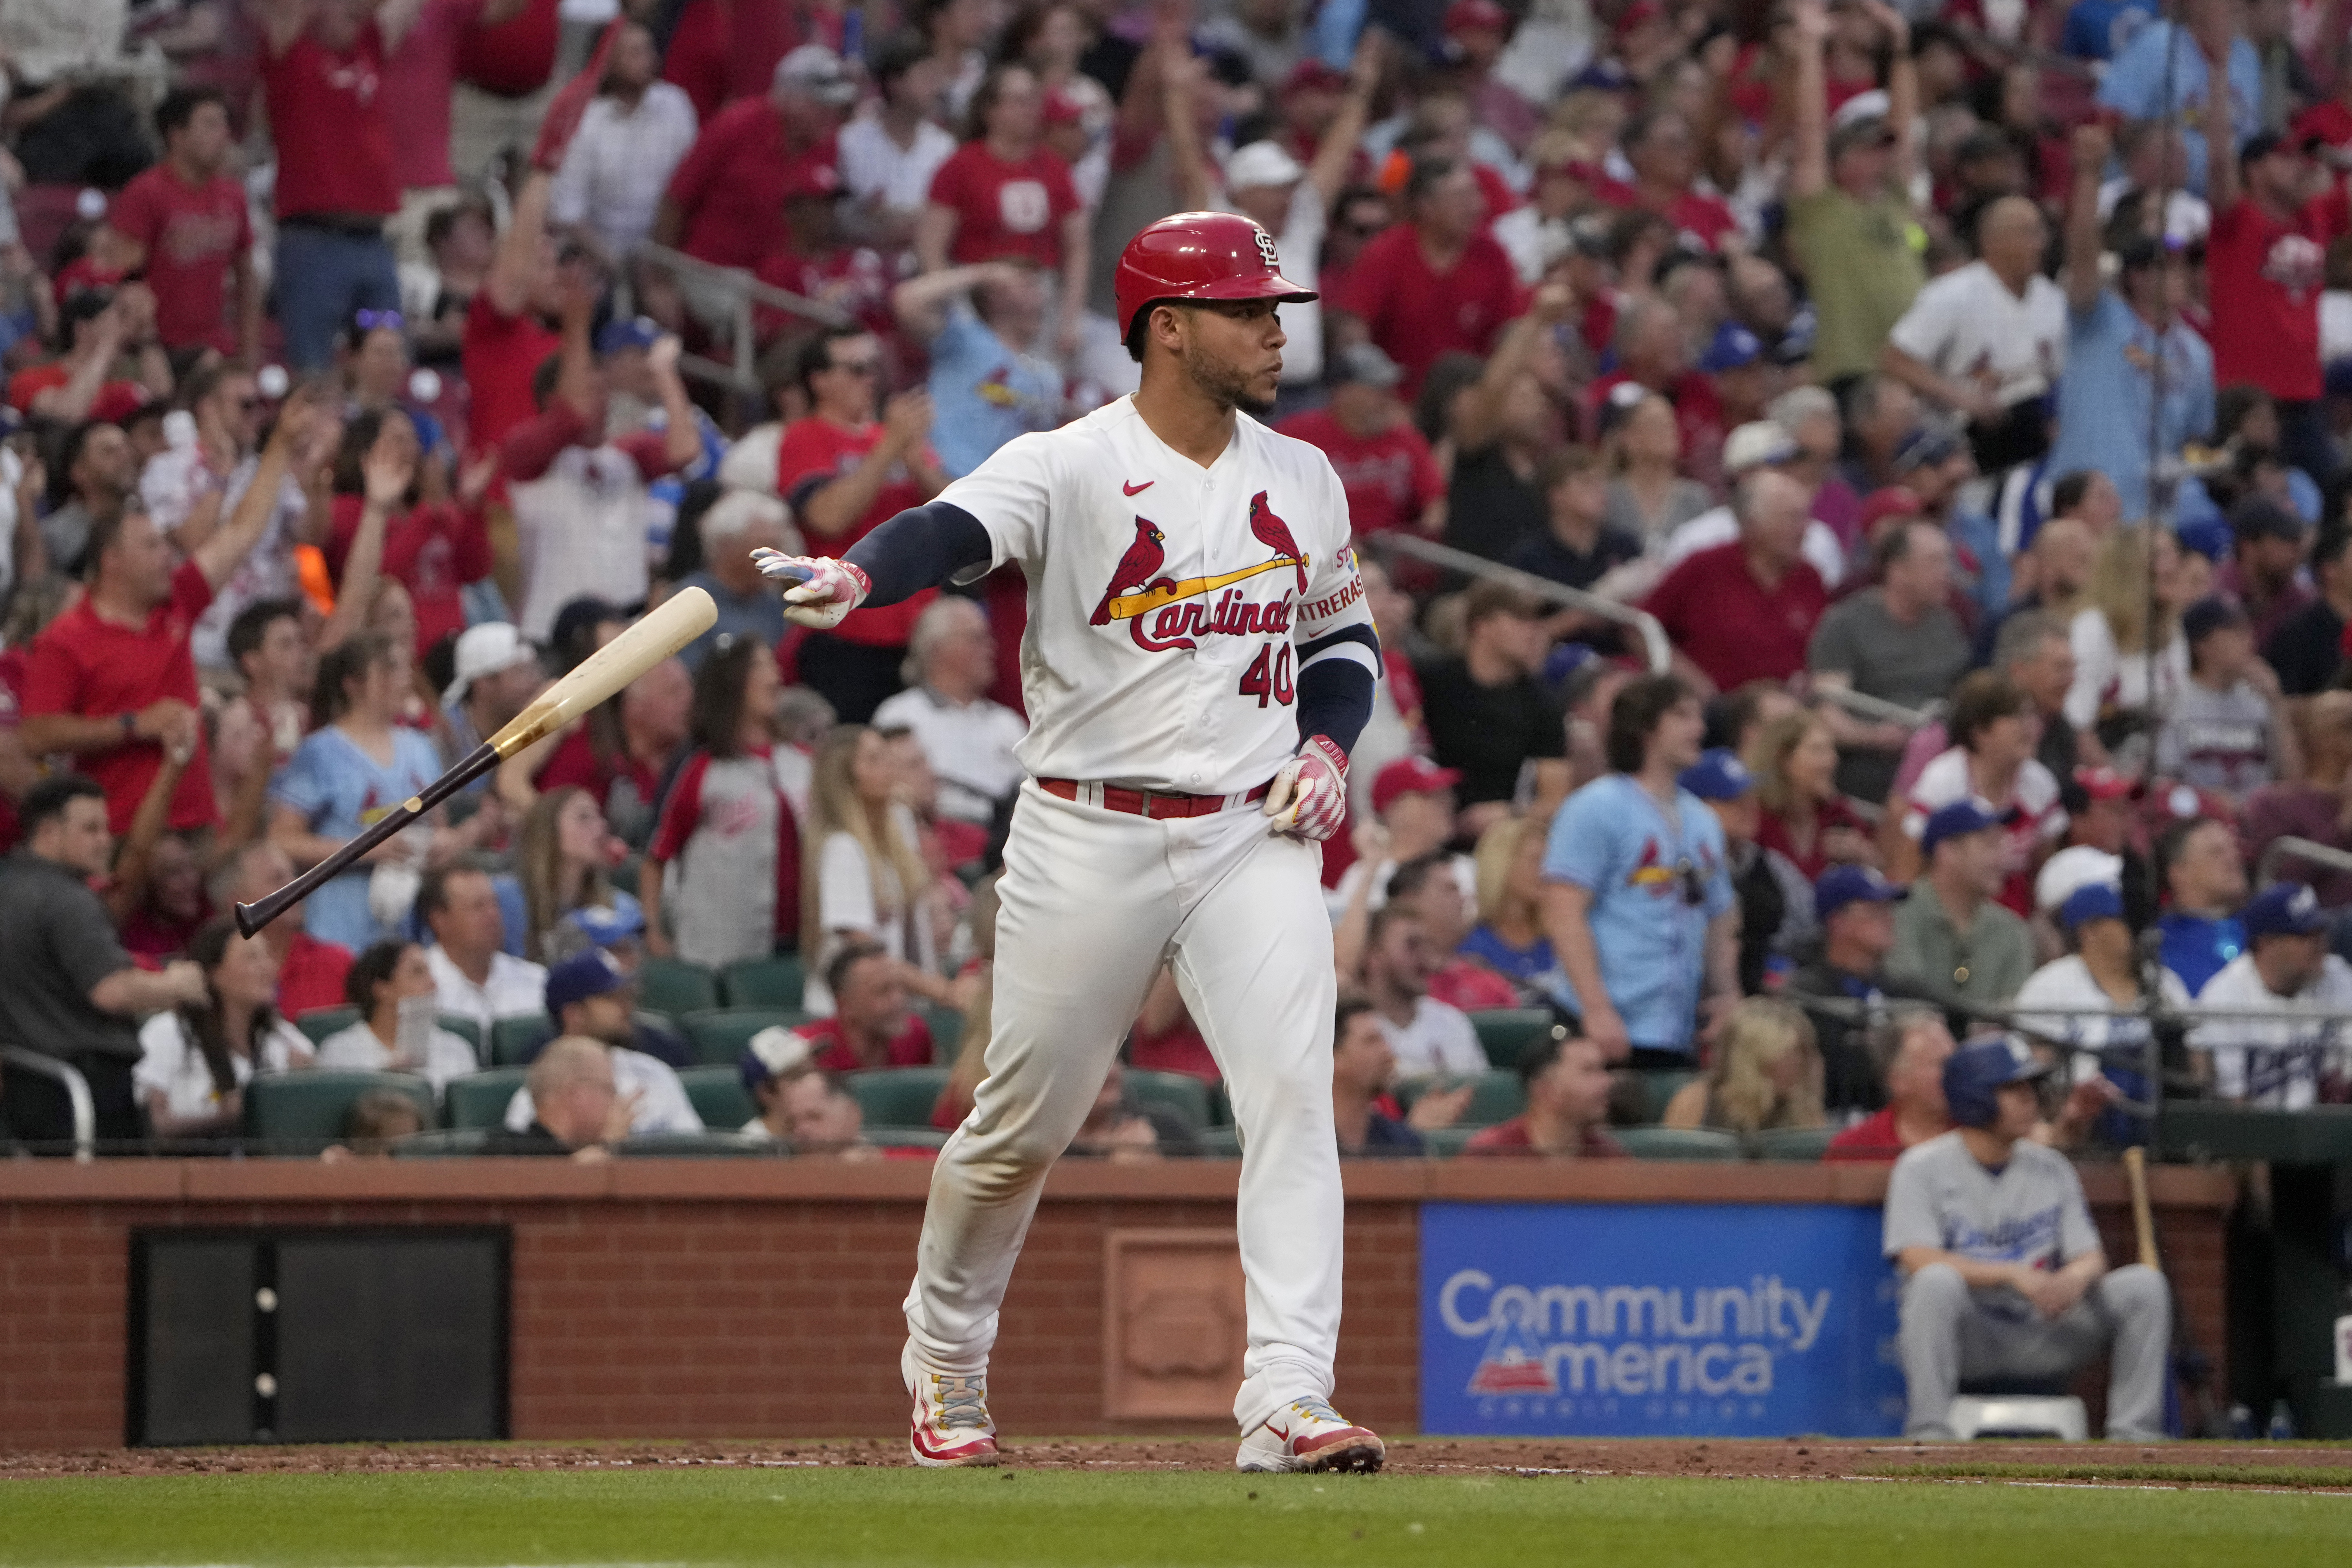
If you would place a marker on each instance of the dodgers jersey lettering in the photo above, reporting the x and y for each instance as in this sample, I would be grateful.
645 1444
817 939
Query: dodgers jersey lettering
1172 607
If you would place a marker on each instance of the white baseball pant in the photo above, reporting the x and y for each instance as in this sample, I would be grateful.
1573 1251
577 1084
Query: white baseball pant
1092 901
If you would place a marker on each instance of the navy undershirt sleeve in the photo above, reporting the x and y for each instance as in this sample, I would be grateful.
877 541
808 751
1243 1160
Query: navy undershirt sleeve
1335 699
920 548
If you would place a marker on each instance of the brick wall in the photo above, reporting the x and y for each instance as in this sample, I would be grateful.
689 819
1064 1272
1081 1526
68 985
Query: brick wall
710 1298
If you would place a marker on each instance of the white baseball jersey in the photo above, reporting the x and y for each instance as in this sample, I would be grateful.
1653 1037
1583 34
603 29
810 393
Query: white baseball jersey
1172 607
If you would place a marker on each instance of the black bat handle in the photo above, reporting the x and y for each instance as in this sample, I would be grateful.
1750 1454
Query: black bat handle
252 917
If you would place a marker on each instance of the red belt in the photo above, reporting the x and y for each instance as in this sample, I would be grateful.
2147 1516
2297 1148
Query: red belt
1157 803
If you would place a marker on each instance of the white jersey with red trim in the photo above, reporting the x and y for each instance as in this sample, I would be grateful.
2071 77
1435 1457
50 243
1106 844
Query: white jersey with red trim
1172 607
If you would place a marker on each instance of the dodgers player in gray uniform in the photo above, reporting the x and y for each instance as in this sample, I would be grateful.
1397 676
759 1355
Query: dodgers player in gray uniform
2003 1274
1198 662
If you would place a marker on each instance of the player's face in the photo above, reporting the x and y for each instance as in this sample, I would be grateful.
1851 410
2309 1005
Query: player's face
2020 1110
1233 353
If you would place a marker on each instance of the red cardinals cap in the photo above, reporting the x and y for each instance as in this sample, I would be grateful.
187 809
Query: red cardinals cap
1312 75
2104 784
1410 776
1476 16
1893 500
1200 256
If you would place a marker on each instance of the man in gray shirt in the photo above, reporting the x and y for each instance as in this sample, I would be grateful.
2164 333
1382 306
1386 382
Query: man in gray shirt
2003 1272
70 990
1898 641
1952 941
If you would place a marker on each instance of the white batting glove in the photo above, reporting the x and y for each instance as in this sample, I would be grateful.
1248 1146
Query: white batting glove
824 590
1308 798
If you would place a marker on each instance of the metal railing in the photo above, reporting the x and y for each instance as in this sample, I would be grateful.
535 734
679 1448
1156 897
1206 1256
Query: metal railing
2317 853
76 1087
740 291
1865 705
1660 652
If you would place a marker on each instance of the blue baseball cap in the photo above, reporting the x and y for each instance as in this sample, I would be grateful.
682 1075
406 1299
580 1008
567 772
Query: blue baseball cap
1975 1071
583 975
2283 908
603 926
636 332
1718 774
1733 348
1962 816
1843 885
2091 902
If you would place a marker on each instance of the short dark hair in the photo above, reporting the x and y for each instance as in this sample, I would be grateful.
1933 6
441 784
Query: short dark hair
2068 492
104 533
433 892
2171 842
1487 598
1894 546
1414 874
900 53
51 797
253 622
1351 1007
340 666
1425 175
1980 701
1537 1055
853 953
1387 915
179 106
1633 718
443 219
370 969
206 378
816 355
714 719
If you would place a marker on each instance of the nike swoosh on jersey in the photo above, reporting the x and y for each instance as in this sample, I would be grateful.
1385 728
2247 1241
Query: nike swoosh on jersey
1137 489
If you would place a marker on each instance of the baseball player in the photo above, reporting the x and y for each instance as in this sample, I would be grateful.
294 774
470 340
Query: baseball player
1198 662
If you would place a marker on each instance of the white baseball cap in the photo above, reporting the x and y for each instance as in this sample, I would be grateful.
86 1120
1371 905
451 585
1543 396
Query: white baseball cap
817 71
2072 869
1756 444
487 649
1261 164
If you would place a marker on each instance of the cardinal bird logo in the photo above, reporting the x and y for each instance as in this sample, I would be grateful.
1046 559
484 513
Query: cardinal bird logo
1274 534
1137 568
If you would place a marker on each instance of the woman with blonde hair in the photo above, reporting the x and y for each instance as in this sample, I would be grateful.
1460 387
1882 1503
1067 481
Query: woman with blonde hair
1649 496
864 874
2111 638
1509 936
562 856
1767 1074
1794 760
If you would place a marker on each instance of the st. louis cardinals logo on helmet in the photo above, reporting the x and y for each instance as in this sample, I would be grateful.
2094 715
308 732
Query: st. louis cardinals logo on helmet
1200 257
1162 611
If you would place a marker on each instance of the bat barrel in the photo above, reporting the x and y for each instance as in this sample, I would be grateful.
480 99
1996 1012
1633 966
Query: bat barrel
252 917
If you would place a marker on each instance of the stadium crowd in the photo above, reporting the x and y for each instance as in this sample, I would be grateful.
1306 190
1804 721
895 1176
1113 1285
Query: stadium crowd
1852 495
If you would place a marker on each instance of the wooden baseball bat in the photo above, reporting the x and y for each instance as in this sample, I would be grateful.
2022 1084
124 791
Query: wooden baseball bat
2143 1218
681 618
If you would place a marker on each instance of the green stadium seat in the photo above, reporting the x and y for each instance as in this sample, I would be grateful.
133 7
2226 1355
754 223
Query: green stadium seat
717 1096
763 982
1493 1096
947 1032
306 1108
448 1144
466 1029
1677 1143
1221 1144
1444 1142
1803 1144
1180 1092
896 1096
1658 1086
719 1035
514 1041
703 1145
480 1100
321 1022
1503 1032
673 986
907 1137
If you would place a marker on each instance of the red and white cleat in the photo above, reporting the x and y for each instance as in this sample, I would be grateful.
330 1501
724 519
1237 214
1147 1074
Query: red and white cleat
1309 1435
950 1423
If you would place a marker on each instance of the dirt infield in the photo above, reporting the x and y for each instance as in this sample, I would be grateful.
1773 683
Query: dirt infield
2300 1467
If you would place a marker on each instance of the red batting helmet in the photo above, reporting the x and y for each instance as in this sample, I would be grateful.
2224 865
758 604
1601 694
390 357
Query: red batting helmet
1200 256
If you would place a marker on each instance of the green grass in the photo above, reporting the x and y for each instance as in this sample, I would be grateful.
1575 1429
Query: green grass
977 1518
2227 1475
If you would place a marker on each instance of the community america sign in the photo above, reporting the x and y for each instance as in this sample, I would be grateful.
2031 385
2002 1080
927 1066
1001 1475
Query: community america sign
1730 1319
